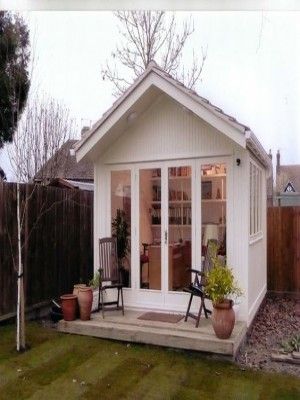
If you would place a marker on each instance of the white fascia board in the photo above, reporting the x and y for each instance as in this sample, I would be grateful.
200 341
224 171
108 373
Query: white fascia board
178 95
172 91
257 150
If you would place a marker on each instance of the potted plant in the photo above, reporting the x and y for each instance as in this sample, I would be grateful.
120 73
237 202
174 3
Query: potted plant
120 229
220 288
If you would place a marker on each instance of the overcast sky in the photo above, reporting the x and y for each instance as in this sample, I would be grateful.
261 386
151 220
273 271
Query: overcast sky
252 69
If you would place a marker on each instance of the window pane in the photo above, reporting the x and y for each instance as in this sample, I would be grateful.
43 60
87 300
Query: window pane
180 227
213 205
121 219
150 228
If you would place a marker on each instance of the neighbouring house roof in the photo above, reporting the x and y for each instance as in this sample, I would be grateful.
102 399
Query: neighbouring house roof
237 131
69 184
288 174
63 164
82 185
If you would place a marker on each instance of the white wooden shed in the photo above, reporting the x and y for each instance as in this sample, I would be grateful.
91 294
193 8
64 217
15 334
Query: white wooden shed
183 172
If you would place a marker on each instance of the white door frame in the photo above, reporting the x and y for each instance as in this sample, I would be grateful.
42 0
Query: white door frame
164 299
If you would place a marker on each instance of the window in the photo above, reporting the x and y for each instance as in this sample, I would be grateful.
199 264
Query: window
255 199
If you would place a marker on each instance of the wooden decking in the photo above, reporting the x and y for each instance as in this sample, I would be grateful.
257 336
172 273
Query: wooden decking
182 335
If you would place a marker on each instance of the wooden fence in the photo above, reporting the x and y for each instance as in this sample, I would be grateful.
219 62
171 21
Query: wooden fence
284 249
57 242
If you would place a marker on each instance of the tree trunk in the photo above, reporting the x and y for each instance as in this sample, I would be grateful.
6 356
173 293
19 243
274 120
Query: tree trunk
20 284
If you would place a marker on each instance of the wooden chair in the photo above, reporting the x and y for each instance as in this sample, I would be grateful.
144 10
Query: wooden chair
197 286
109 274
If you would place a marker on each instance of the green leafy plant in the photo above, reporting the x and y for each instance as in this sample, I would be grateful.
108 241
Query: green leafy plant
220 283
293 344
95 282
120 228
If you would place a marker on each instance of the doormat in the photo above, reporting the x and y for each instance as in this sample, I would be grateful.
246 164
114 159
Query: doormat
161 317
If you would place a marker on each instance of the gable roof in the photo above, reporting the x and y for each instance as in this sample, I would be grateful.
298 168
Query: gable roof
64 165
288 174
289 188
201 107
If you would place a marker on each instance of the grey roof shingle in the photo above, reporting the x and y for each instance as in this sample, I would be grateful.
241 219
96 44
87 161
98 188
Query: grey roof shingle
64 165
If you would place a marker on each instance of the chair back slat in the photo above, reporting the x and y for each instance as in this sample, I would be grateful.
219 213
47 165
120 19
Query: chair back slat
108 259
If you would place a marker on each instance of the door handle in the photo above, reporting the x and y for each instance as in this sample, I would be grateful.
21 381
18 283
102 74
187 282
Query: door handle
166 237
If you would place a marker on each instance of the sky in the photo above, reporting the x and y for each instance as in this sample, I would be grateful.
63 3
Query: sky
252 70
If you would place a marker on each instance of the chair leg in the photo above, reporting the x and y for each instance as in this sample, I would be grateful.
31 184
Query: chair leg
118 297
204 308
99 299
199 314
102 303
188 309
122 301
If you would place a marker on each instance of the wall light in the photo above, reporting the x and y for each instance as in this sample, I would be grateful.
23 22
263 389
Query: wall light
132 116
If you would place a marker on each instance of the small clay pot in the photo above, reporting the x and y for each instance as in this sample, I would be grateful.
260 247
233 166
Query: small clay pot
68 305
85 301
223 319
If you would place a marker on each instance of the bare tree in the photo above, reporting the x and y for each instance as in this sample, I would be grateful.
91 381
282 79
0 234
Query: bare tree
147 36
44 127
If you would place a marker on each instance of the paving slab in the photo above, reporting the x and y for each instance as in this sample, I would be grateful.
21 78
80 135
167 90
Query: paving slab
182 335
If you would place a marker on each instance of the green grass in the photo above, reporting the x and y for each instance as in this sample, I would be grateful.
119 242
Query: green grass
60 366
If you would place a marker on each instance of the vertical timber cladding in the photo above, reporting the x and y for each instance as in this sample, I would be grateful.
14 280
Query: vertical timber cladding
57 238
284 249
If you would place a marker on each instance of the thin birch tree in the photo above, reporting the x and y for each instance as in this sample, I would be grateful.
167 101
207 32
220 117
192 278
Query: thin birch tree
44 127
14 87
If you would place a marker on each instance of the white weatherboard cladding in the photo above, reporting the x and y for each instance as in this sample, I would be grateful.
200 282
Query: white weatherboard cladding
237 226
167 131
257 273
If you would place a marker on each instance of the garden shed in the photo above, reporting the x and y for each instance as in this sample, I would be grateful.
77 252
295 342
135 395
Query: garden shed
182 172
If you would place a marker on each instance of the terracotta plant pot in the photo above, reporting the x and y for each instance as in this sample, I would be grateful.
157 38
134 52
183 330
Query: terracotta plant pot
76 291
223 319
77 287
68 305
85 301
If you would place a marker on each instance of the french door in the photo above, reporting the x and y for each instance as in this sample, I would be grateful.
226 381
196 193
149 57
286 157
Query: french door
165 232
174 208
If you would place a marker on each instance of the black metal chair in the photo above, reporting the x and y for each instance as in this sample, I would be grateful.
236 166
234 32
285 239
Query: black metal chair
196 288
109 272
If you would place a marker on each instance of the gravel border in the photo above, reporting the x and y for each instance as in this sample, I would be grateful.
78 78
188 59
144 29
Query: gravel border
275 321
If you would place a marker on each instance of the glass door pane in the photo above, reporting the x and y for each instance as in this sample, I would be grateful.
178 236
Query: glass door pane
179 227
121 219
150 228
213 206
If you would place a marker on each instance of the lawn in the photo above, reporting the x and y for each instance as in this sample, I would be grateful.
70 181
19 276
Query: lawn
60 366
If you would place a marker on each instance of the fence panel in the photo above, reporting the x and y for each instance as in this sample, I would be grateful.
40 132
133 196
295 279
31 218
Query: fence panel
57 241
284 249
